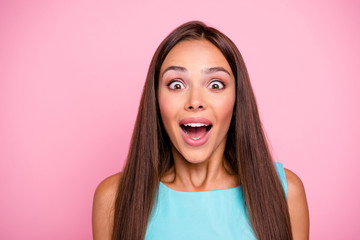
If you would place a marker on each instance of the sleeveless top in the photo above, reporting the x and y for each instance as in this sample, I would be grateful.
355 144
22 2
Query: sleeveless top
210 215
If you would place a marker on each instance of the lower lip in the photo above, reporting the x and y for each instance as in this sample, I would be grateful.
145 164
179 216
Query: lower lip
195 143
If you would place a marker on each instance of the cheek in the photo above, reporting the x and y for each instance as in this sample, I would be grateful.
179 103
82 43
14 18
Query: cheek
225 108
167 110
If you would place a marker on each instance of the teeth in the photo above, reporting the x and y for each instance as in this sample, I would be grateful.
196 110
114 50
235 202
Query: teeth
195 125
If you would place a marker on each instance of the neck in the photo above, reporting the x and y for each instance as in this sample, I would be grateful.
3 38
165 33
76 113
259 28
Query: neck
211 174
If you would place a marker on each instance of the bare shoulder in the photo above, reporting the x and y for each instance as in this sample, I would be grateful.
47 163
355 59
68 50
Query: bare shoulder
103 207
298 208
294 183
108 187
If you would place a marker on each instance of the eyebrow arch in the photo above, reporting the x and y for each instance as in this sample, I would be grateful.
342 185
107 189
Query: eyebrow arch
216 69
174 68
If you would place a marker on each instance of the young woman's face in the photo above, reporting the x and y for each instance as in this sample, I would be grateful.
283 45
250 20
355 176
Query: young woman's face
196 98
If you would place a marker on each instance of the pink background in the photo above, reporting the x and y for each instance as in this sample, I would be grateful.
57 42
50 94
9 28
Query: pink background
71 75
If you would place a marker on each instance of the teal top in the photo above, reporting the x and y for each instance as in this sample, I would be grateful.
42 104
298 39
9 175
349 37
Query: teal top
210 215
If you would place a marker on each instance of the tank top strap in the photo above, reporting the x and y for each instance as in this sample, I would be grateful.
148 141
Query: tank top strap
281 174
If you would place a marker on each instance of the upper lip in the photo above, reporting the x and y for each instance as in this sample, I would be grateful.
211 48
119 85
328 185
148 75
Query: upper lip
195 121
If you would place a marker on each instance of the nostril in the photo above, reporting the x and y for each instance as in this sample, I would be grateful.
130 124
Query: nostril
191 107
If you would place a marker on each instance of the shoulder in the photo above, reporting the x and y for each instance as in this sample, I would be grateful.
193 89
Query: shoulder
107 188
103 207
294 183
298 208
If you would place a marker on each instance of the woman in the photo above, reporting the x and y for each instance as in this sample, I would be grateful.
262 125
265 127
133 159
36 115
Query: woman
199 166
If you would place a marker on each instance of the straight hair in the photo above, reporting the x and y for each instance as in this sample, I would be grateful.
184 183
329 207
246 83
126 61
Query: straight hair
246 150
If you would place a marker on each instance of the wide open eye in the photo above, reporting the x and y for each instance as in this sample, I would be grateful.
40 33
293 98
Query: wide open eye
217 84
176 85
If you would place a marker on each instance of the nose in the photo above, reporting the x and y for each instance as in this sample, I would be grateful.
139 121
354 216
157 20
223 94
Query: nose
196 100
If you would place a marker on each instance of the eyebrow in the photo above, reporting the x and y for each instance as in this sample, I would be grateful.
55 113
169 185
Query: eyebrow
174 68
207 71
216 69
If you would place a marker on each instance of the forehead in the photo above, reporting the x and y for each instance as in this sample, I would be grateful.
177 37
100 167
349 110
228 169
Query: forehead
193 54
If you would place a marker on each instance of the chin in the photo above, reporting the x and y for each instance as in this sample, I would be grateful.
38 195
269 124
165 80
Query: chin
195 156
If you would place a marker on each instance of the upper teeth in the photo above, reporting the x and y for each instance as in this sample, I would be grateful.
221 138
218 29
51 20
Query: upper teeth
195 125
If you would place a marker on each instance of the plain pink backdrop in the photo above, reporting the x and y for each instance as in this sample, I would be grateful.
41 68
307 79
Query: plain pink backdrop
71 75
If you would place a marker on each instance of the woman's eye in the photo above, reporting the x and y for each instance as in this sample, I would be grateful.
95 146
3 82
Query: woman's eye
176 85
216 85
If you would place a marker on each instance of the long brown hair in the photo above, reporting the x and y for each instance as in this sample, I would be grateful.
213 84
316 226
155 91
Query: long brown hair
246 151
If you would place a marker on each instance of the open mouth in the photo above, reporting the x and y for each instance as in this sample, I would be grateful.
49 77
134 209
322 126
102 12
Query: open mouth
196 130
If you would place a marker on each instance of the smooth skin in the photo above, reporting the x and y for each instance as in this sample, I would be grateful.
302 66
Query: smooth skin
196 81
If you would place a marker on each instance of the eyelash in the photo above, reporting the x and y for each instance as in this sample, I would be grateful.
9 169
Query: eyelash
181 83
218 81
175 81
